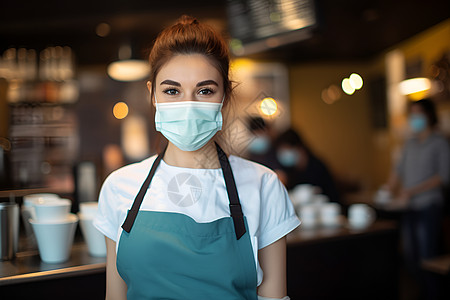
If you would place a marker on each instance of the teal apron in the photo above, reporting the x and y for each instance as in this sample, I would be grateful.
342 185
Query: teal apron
164 255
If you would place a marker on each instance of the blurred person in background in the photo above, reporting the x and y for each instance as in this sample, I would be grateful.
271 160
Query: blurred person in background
298 165
417 181
260 148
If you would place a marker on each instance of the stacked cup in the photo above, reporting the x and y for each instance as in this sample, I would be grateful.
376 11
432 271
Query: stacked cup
54 227
28 213
94 238
360 216
320 212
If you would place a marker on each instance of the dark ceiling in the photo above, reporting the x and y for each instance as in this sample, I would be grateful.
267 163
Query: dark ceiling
347 29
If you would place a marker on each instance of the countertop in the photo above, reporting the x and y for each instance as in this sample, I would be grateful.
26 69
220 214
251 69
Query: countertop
27 266
324 234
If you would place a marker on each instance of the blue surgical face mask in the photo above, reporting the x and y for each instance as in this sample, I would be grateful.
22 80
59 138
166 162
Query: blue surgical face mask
417 122
259 145
189 125
288 157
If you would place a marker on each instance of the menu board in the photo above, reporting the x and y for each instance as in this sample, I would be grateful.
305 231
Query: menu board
256 20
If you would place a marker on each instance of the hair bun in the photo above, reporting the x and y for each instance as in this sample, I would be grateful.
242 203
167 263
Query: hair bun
187 20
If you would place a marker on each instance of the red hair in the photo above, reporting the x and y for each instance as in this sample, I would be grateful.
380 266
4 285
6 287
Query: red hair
188 36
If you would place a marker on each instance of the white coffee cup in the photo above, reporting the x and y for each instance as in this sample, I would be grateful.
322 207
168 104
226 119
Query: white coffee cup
308 216
383 196
29 200
49 211
95 240
89 209
28 211
55 239
302 194
360 215
319 199
329 214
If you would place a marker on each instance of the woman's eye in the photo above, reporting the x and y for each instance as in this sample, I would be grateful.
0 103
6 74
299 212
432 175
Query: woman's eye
206 92
171 92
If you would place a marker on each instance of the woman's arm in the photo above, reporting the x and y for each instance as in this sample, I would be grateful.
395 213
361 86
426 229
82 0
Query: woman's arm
272 260
393 182
116 289
430 183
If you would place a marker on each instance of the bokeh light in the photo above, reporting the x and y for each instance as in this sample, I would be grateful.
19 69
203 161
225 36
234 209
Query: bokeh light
347 87
102 29
356 81
120 110
268 106
331 94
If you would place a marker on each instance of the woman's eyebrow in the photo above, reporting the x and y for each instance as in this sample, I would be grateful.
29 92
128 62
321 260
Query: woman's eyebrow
170 82
207 82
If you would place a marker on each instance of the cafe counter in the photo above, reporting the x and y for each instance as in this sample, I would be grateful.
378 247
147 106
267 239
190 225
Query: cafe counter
27 277
344 263
322 263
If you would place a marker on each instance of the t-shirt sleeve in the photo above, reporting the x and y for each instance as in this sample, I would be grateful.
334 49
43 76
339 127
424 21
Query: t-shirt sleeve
277 216
106 219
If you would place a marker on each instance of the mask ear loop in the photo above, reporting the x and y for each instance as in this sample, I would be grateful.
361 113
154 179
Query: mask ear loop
223 100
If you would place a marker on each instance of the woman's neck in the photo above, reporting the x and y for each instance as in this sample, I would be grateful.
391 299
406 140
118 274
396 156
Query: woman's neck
203 158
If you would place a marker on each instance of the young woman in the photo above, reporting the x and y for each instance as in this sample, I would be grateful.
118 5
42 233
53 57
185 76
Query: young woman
192 222
422 172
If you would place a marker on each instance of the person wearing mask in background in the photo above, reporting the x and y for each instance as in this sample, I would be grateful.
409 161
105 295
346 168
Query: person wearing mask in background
418 179
192 222
260 148
300 166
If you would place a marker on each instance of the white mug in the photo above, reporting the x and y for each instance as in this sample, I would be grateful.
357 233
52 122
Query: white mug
360 215
308 216
329 214
302 194
383 196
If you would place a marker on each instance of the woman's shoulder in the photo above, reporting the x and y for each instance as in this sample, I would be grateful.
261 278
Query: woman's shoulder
250 168
133 170
439 137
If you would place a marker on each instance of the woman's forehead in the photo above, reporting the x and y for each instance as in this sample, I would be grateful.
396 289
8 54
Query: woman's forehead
186 69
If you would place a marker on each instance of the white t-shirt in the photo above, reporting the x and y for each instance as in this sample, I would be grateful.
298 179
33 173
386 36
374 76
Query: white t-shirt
201 194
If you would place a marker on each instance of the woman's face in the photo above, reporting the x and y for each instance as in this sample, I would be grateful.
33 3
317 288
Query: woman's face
418 120
416 109
189 77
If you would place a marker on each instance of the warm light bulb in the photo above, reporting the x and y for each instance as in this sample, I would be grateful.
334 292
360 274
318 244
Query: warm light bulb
414 85
268 106
128 70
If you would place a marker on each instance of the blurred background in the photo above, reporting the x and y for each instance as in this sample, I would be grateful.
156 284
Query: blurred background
57 99
74 104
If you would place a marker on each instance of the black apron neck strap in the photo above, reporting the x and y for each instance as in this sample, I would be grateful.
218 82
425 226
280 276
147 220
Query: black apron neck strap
235 205
132 213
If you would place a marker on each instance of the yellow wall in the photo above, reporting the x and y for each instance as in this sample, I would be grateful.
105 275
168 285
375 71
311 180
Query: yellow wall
428 45
339 132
